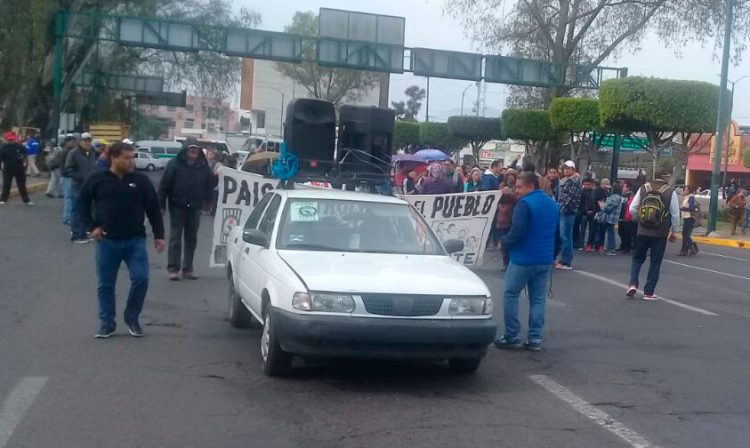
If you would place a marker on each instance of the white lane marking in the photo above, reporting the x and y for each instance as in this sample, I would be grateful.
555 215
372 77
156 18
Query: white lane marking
708 270
18 402
663 299
725 256
600 417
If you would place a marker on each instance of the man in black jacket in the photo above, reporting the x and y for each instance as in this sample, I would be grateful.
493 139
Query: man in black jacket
121 199
185 186
79 163
13 158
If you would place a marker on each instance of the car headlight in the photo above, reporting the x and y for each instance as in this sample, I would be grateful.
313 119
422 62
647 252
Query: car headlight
323 301
471 306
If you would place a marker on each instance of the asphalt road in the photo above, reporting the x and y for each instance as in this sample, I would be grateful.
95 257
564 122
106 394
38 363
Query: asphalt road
614 372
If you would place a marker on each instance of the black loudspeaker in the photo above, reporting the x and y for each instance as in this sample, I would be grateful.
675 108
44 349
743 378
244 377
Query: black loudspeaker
310 133
365 140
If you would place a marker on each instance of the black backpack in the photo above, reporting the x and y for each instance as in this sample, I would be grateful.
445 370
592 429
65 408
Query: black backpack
653 212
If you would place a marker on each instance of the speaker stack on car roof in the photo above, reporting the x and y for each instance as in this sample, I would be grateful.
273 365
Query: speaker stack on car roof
310 133
365 142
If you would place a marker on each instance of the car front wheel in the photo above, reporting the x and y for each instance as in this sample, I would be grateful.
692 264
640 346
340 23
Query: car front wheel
239 316
465 366
150 167
276 362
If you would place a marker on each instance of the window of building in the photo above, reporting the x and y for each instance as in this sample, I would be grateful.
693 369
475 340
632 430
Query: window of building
171 108
189 124
190 108
260 121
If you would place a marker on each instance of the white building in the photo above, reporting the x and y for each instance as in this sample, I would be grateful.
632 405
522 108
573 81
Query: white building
266 92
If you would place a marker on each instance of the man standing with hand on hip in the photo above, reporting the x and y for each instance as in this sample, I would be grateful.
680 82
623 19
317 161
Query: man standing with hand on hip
657 209
120 199
531 243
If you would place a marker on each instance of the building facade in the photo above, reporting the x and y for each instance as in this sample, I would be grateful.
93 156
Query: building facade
703 148
208 118
266 93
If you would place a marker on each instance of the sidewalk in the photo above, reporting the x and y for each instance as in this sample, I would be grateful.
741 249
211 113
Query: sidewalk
721 237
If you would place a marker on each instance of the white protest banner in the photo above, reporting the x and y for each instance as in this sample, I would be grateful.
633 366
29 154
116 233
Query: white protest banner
239 193
463 216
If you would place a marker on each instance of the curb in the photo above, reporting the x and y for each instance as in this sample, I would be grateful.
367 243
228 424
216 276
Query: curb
33 188
724 242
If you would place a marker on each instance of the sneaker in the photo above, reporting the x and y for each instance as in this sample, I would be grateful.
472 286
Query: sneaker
174 276
135 330
29 203
602 251
631 291
532 346
579 249
81 240
105 331
563 267
650 297
589 248
2 202
506 344
611 252
187 275
49 195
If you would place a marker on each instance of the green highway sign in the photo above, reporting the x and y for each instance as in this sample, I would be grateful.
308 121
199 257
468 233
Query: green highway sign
627 144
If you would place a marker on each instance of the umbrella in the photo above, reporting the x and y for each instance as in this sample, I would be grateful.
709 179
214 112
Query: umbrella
407 158
262 157
429 155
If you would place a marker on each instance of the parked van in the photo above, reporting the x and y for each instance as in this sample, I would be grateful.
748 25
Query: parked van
160 148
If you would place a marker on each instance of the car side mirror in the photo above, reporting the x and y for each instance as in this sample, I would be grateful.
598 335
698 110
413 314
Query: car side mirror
453 246
255 237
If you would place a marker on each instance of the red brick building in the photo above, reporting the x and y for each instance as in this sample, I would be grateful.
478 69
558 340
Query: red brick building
700 161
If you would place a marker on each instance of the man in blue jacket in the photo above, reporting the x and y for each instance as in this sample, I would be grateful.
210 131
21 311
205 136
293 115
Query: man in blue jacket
491 178
531 243
32 150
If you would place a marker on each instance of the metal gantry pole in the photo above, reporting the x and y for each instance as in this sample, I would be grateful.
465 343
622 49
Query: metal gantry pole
720 119
60 31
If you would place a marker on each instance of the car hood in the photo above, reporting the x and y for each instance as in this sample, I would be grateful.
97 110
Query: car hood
383 273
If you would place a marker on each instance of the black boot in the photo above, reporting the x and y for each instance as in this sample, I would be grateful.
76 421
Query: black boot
683 252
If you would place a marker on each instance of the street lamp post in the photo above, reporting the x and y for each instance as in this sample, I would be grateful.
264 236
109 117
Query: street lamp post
462 98
726 153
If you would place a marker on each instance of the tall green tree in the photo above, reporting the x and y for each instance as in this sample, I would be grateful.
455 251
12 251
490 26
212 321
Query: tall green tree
439 136
405 134
660 109
409 110
476 130
534 129
577 118
336 85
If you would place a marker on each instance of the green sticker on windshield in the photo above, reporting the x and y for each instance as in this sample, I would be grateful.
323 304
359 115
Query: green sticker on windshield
305 212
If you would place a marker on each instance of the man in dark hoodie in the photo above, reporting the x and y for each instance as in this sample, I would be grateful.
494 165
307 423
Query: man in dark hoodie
185 187
79 163
13 159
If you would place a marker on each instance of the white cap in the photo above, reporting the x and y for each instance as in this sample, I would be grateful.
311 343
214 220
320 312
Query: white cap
86 136
570 164
127 141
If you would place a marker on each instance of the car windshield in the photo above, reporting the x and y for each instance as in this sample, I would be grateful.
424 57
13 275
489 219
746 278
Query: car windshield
355 226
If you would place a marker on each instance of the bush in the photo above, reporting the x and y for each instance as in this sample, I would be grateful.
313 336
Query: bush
574 114
528 125
405 133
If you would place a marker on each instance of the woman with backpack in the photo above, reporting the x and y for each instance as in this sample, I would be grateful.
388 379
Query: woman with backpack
689 209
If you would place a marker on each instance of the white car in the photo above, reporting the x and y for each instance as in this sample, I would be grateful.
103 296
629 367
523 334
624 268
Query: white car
342 274
147 161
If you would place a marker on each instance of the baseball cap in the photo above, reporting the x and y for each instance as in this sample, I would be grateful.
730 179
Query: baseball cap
10 137
86 136
100 142
605 183
127 141
570 164
69 138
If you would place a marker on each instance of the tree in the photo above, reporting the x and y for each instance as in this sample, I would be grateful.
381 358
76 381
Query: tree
439 136
577 118
534 129
410 109
476 130
405 134
661 109
561 31
331 84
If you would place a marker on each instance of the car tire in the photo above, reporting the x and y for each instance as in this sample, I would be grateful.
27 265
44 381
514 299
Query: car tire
239 316
276 362
150 167
465 366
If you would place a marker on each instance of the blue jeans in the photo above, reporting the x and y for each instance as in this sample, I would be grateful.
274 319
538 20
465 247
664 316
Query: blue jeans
109 255
642 246
68 202
76 224
566 239
747 219
608 230
517 277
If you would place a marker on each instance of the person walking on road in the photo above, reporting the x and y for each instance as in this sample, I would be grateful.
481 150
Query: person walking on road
568 202
120 200
79 163
657 209
688 211
531 243
185 187
736 205
625 226
13 158
33 149
71 143
55 164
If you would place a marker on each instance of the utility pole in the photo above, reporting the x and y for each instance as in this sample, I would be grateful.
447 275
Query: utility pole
463 95
720 119
427 106
479 96
726 154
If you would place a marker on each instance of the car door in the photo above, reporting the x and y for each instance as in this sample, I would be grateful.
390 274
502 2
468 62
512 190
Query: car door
259 258
241 255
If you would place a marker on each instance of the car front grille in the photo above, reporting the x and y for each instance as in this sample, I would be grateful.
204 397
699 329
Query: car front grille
402 305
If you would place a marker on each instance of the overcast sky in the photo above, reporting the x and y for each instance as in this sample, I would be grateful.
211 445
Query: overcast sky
427 26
